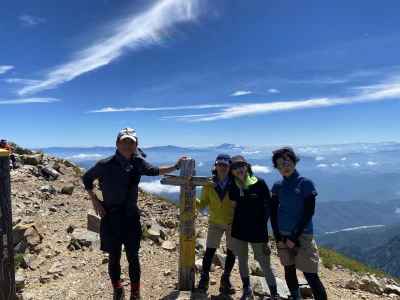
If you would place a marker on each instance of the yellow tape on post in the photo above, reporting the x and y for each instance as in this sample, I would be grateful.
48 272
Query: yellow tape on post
4 153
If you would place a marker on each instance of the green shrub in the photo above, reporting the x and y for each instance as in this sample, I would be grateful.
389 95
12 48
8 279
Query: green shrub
18 260
332 258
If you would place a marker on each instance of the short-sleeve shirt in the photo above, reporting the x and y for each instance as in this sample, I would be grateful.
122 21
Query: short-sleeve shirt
292 193
119 179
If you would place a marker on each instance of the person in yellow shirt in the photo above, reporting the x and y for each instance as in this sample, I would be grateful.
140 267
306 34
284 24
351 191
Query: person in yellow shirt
215 197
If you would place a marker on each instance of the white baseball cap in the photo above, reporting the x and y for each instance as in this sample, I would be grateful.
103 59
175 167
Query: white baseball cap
127 133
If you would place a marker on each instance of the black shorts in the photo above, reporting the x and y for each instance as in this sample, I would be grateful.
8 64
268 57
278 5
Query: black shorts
117 229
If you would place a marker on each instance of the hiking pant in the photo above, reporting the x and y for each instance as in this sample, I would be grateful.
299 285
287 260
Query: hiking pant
116 230
114 265
262 254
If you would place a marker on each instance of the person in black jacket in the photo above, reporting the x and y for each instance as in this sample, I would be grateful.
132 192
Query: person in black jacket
252 199
293 202
119 177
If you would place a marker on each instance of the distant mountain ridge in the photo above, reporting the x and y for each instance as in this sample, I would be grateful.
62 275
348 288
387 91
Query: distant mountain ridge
375 246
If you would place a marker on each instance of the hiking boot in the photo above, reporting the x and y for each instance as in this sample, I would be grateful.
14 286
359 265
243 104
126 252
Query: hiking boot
273 290
295 295
226 286
119 294
203 283
247 294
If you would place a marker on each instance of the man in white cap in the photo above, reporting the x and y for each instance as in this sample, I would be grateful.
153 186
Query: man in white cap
119 177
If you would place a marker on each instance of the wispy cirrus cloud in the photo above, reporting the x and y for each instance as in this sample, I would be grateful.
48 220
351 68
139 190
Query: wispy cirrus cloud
5 68
381 92
241 93
22 81
30 21
28 101
148 28
164 108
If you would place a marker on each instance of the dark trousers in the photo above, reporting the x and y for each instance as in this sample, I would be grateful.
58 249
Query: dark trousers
117 229
313 280
114 265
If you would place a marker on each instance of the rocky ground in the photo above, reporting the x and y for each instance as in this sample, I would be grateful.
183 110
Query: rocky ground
59 259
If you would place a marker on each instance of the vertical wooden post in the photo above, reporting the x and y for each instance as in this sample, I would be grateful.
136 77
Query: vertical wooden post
7 272
187 230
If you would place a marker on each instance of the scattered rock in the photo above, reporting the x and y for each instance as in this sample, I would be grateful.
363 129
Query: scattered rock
56 268
93 221
352 284
19 281
53 209
67 189
44 279
371 284
260 287
156 232
168 245
49 173
392 289
33 160
255 268
82 238
70 229
26 236
48 189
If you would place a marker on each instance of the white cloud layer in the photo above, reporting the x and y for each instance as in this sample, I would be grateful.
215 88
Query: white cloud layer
28 101
155 187
148 28
261 169
273 91
86 156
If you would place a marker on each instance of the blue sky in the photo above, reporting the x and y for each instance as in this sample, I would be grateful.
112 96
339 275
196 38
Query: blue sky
199 72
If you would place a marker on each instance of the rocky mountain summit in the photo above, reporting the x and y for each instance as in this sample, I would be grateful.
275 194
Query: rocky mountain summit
58 258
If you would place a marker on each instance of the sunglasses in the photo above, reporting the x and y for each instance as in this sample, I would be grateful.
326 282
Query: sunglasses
238 166
222 165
